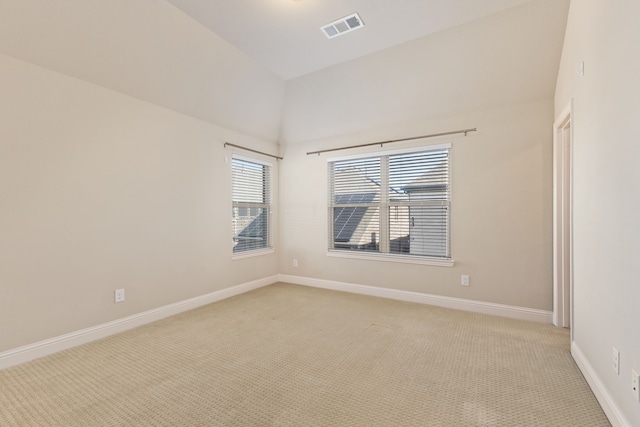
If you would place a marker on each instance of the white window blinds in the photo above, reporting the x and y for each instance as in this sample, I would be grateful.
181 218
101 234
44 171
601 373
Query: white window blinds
251 200
396 203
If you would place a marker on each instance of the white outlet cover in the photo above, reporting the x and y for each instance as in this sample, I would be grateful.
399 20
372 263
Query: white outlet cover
119 295
464 280
615 360
635 385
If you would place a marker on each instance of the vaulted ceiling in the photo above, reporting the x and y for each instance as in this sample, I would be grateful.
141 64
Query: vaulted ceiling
285 36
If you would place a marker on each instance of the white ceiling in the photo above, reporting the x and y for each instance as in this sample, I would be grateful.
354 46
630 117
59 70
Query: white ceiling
285 36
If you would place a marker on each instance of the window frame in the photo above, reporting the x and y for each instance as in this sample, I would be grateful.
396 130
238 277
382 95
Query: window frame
268 205
384 204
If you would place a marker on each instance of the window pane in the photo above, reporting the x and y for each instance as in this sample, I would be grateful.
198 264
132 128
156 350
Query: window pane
420 176
428 230
356 181
249 183
356 228
250 231
419 230
399 229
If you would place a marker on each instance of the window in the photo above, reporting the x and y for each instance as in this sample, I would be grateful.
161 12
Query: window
251 197
395 203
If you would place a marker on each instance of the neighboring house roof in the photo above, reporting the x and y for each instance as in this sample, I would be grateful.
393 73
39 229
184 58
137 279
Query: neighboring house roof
434 181
253 235
424 188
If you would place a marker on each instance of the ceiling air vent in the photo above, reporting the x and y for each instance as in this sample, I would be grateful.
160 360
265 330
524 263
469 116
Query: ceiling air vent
342 26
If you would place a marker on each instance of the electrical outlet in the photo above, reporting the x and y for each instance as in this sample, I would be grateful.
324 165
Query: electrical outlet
615 360
635 385
119 295
464 280
295 262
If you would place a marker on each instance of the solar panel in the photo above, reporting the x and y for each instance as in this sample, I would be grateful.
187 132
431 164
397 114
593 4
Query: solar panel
347 219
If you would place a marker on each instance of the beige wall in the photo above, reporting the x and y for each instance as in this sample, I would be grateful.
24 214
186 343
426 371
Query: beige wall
100 191
606 184
501 210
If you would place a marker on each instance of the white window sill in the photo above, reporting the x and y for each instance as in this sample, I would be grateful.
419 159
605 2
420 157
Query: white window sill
251 254
405 259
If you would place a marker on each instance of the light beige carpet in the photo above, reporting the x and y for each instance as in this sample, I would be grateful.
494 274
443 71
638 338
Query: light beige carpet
288 355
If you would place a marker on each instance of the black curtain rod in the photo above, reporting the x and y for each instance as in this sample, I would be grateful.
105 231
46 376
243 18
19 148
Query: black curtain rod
252 150
381 143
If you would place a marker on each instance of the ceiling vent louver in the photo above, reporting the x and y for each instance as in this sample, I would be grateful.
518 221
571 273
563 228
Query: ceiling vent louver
342 26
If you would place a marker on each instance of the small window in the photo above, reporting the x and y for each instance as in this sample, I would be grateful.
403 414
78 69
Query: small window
394 203
251 199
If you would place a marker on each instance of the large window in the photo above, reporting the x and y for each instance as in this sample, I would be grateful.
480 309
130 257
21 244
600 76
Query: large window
391 203
251 197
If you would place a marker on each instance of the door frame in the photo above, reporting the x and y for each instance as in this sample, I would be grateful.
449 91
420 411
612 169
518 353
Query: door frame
563 218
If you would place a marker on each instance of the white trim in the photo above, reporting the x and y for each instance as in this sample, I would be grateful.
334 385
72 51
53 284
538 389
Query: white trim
419 149
562 219
521 313
407 259
564 116
53 345
611 409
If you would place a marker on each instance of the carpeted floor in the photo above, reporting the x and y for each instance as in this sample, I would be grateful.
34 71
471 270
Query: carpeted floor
288 355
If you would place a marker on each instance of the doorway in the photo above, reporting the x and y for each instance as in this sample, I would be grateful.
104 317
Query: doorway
562 219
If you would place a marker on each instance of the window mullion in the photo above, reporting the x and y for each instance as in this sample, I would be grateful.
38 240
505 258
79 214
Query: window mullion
384 204
332 201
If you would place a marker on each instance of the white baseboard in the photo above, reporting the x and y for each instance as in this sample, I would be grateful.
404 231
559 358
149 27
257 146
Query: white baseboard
513 312
608 404
53 345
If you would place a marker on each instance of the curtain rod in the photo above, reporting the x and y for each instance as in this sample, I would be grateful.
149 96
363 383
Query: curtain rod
252 150
381 143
